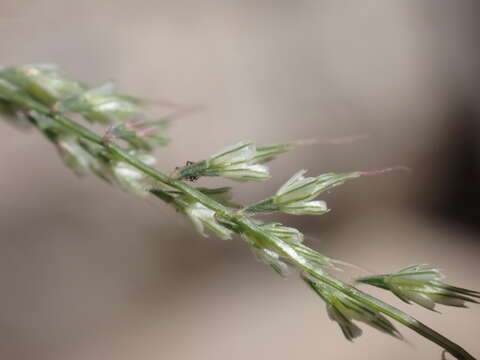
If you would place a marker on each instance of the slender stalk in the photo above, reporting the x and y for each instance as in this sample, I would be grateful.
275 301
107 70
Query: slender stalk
240 221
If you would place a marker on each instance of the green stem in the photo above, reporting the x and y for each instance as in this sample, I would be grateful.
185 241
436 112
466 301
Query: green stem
374 280
265 205
244 224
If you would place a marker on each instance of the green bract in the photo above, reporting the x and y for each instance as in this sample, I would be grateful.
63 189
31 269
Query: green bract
288 234
75 156
130 178
305 208
299 189
344 310
101 104
43 82
201 217
142 134
295 196
422 285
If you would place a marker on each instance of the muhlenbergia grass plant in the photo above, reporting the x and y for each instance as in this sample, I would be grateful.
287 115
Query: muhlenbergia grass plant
66 111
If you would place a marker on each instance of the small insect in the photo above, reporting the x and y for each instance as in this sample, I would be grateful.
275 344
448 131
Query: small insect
191 178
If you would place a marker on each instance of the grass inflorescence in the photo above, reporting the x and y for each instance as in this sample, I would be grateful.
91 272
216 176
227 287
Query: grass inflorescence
43 97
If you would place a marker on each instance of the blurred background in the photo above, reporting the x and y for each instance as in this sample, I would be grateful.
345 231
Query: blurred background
89 272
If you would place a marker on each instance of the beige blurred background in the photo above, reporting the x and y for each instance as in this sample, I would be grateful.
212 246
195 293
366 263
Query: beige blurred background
88 272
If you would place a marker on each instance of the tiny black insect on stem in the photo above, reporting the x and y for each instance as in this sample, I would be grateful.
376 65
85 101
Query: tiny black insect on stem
191 178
